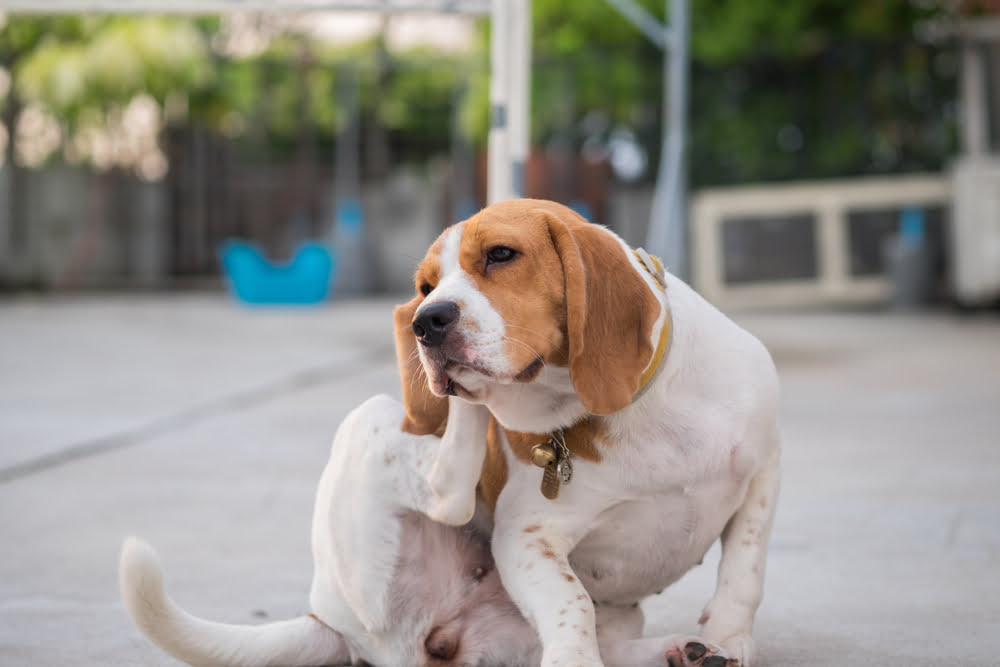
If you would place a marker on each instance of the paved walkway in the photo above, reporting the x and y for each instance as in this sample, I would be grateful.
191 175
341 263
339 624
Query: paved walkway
203 427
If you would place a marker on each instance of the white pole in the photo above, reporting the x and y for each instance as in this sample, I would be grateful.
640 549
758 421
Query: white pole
498 176
667 235
519 94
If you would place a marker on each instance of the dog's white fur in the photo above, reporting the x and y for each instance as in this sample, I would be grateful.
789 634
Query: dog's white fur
693 459
388 581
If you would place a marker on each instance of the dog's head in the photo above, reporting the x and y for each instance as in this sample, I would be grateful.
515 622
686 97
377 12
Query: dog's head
522 285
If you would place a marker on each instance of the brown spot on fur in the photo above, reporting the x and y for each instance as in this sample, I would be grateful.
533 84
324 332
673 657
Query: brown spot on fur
704 618
581 596
533 528
546 548
493 476
562 624
389 458
569 577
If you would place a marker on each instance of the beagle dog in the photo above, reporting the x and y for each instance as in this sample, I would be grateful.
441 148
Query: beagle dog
392 587
635 424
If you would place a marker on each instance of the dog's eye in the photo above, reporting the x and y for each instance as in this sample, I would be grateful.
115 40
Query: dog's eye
499 254
426 289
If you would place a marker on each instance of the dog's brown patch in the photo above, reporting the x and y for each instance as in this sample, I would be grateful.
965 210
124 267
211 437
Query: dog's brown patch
493 476
581 439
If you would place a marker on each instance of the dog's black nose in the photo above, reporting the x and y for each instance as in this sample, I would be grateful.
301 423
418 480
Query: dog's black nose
433 321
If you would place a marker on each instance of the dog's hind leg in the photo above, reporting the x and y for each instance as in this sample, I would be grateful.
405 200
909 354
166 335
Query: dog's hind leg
437 476
458 463
728 617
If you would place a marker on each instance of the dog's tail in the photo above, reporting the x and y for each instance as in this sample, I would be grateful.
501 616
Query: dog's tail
302 641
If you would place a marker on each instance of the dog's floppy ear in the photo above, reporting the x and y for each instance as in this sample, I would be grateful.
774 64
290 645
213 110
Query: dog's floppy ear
610 312
425 412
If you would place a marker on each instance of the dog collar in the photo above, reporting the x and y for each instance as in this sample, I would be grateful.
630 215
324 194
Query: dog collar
654 266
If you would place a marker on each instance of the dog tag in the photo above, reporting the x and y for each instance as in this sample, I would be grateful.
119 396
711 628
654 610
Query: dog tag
553 457
564 469
550 482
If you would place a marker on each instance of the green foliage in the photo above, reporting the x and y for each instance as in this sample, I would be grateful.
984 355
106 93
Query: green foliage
726 32
808 88
76 66
780 89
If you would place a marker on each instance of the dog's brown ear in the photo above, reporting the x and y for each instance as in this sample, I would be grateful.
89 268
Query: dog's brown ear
610 313
425 412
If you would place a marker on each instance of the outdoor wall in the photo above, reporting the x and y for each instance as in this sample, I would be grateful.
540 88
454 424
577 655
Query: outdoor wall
81 229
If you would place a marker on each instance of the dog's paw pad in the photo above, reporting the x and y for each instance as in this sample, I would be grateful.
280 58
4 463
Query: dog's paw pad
697 653
719 661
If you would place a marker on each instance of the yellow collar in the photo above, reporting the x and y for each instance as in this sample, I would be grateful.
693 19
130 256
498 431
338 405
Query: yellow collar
654 266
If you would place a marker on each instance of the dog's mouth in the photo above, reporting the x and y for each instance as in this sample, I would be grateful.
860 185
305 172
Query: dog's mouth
450 377
449 387
453 387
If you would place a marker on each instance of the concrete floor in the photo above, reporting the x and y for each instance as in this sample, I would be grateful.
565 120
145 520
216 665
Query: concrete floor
203 427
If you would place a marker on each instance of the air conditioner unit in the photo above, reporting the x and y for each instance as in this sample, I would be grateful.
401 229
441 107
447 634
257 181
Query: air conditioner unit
975 229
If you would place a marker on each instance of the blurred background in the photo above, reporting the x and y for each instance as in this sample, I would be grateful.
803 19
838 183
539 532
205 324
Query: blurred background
834 154
158 172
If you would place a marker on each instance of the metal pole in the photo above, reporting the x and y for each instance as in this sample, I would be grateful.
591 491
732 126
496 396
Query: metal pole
974 126
519 94
667 235
498 176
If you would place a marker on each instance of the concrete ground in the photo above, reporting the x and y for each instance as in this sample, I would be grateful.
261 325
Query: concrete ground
203 427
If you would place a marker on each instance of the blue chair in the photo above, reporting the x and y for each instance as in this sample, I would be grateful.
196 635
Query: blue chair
253 279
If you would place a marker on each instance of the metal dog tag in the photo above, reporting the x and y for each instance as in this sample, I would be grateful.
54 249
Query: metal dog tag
550 482
565 470
553 457
545 456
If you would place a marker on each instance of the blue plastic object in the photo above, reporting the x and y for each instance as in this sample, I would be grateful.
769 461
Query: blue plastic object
911 226
581 207
253 279
349 217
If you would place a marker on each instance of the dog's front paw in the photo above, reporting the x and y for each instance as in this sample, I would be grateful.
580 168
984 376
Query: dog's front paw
697 652
731 631
741 647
